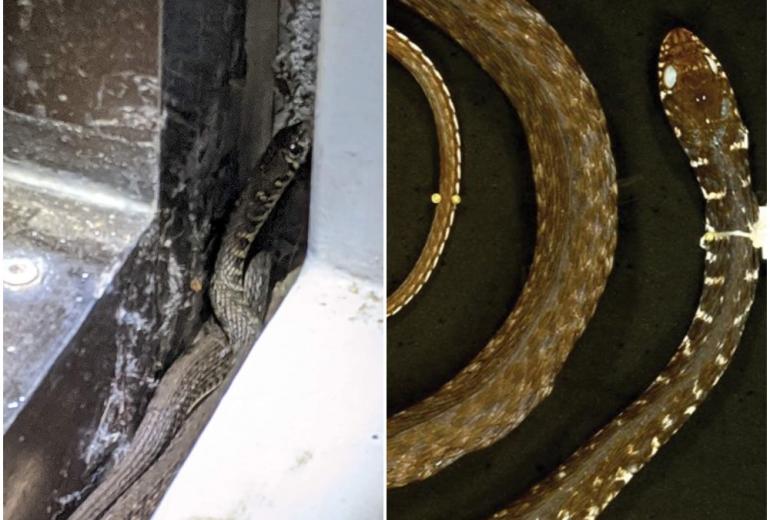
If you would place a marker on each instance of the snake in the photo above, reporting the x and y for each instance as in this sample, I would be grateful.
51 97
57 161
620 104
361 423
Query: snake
448 197
238 294
576 198
141 499
232 281
702 111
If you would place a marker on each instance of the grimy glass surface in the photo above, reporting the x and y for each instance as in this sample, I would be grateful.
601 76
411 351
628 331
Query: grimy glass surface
81 123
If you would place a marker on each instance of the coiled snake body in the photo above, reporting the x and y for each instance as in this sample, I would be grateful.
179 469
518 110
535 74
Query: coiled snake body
516 369
238 295
574 177
432 84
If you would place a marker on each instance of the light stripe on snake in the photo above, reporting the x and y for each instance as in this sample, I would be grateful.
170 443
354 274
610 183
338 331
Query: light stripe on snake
429 79
576 196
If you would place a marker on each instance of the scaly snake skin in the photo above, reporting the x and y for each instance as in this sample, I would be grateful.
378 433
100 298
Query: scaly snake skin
701 108
238 296
277 168
429 79
574 176
189 380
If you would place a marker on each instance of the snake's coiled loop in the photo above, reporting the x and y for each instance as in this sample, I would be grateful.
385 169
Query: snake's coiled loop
447 127
574 177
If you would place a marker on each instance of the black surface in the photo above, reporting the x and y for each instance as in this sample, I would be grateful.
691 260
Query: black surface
715 466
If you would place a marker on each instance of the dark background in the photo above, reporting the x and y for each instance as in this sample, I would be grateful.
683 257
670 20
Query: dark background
715 466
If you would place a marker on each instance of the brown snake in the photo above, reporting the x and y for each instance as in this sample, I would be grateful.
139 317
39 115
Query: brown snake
701 108
574 177
448 196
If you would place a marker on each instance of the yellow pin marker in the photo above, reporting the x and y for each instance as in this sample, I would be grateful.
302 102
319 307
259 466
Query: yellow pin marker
435 198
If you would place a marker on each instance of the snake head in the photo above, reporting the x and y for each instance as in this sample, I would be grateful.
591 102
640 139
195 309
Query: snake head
694 90
294 144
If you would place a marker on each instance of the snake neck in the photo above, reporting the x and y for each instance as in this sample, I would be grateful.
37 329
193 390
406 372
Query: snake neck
277 168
